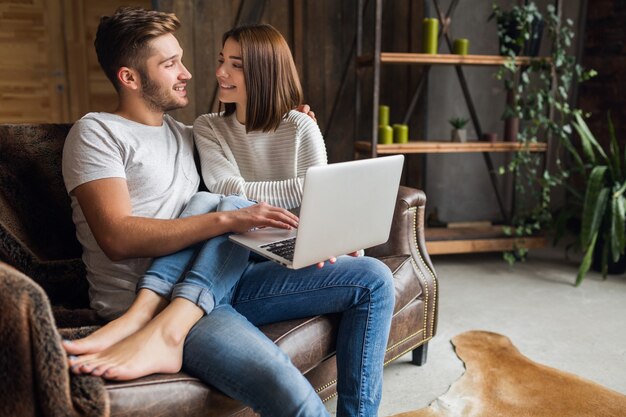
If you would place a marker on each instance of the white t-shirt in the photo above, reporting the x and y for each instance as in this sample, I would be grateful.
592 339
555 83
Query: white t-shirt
158 165
263 166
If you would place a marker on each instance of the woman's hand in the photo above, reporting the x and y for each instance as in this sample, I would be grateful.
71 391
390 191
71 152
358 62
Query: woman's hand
260 215
333 259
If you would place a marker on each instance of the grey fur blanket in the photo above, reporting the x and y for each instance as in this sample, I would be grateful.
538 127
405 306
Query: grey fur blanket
34 376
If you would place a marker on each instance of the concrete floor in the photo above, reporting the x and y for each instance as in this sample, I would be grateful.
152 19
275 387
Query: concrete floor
534 303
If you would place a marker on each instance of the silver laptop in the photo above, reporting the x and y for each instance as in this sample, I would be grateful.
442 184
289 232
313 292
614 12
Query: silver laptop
346 207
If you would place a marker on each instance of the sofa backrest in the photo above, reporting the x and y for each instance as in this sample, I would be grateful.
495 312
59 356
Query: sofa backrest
37 235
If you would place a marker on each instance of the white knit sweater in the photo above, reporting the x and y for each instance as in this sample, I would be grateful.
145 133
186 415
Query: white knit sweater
262 166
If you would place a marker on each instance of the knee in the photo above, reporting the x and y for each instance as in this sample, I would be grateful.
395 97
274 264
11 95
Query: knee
201 203
233 202
379 277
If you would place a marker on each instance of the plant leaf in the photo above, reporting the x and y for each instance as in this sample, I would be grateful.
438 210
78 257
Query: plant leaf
614 151
596 197
572 150
617 227
588 141
586 262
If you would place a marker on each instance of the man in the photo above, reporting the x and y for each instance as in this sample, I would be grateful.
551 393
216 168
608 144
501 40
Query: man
129 173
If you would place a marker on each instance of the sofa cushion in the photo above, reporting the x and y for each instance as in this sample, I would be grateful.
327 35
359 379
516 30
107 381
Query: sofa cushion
37 234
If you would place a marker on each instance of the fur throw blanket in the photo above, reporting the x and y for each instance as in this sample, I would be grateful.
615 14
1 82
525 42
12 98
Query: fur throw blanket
34 376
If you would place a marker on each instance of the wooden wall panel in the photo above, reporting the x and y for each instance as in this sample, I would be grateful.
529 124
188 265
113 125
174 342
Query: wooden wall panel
32 72
49 71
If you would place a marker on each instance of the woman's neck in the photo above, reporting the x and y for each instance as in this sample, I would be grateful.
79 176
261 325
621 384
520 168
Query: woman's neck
240 114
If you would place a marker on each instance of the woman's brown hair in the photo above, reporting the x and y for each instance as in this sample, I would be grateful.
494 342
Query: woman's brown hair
271 78
122 39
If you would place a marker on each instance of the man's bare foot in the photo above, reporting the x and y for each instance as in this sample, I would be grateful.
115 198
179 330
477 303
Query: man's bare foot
147 305
158 347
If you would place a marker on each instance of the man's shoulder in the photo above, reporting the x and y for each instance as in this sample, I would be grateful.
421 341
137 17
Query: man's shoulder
105 118
175 124
97 122
86 126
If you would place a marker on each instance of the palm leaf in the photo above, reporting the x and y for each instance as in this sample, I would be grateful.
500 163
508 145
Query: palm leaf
618 227
588 141
595 203
620 190
614 151
586 263
572 150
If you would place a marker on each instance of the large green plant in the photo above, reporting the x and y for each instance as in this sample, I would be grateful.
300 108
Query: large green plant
541 92
604 204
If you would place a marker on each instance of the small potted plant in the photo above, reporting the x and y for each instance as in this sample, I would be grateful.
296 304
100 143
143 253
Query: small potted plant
459 134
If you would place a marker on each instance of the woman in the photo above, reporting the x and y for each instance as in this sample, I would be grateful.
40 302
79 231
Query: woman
258 147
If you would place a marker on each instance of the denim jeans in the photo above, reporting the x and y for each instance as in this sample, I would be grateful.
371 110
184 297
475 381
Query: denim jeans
206 272
226 350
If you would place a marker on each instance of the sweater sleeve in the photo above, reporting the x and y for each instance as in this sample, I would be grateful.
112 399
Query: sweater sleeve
311 148
219 168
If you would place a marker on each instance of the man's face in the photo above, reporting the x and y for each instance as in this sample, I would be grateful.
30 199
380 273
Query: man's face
164 77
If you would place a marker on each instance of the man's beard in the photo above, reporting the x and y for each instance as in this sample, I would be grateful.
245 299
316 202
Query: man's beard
158 98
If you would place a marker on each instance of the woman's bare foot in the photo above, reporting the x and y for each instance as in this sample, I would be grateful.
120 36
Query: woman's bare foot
158 347
147 305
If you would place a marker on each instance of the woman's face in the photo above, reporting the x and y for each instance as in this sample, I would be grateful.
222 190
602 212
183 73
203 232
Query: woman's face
232 86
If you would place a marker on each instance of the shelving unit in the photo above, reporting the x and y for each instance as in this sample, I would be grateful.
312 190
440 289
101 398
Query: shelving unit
432 146
441 59
439 240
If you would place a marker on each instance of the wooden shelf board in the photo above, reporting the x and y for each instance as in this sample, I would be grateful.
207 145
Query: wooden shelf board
431 146
440 241
451 59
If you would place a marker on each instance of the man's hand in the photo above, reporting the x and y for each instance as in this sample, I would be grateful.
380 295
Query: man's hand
306 109
260 215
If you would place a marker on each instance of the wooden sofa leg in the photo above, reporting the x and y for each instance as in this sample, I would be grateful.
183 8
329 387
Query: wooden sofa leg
419 355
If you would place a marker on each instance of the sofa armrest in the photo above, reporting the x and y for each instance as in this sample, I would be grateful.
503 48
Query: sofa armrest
407 238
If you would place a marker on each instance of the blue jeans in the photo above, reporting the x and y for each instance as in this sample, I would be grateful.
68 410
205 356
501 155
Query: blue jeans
226 349
206 272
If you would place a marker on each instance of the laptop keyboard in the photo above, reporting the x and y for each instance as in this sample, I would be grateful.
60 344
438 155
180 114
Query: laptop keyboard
282 248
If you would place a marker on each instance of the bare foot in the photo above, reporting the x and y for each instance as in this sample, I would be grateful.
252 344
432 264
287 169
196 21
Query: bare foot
144 308
158 347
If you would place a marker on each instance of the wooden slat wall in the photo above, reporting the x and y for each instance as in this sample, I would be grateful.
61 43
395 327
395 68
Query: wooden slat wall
32 72
49 71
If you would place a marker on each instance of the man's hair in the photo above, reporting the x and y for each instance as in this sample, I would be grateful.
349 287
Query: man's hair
272 82
122 39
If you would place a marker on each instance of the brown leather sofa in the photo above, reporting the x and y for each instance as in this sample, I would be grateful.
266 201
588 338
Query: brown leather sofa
37 238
